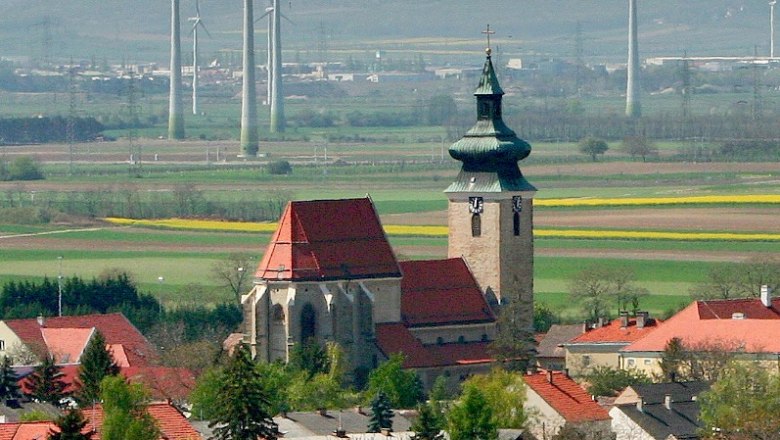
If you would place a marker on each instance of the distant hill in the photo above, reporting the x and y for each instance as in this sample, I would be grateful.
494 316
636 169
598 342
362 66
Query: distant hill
137 29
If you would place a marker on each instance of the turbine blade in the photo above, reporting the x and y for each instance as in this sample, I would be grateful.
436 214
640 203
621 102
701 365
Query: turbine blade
197 7
264 15
204 28
288 20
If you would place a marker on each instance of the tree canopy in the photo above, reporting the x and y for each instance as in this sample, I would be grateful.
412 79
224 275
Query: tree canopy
96 363
471 418
402 386
593 147
70 426
125 416
9 389
46 383
381 413
504 393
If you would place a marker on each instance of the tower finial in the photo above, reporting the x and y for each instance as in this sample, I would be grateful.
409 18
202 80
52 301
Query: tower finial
488 32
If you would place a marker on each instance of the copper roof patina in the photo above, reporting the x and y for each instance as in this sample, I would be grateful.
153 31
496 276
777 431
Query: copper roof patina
490 150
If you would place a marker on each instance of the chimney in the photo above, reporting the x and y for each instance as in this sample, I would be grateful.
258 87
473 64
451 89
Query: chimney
585 327
40 320
641 319
668 402
359 410
322 412
549 376
623 319
766 296
566 373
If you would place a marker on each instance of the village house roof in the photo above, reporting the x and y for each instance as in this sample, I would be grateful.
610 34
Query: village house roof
656 392
122 336
394 338
327 240
661 418
440 292
551 343
616 332
566 397
746 324
67 344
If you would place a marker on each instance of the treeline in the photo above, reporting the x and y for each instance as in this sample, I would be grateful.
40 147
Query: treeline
48 129
113 293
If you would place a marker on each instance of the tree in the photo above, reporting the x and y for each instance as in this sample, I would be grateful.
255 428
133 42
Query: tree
279 167
742 404
740 280
471 417
381 413
504 392
24 168
596 287
70 426
46 384
242 411
9 389
96 363
593 147
514 345
400 385
233 273
697 361
309 357
427 425
205 396
125 416
608 382
639 146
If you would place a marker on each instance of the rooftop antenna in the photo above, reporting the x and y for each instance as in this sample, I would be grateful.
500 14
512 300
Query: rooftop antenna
772 4
249 137
197 22
633 107
175 111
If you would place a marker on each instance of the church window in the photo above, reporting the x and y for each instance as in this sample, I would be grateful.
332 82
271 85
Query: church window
278 313
308 323
476 225
516 223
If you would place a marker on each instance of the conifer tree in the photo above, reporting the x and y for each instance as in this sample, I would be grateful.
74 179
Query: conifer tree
45 383
242 411
427 426
9 389
381 413
96 363
70 426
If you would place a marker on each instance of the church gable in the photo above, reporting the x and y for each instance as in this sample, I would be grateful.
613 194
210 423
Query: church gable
441 292
328 240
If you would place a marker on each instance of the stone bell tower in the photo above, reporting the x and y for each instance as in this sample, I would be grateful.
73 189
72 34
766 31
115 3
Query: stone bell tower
491 204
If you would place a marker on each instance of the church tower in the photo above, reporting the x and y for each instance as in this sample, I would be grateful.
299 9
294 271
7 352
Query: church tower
490 211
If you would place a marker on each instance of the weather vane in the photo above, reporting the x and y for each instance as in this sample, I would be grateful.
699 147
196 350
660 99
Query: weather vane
488 32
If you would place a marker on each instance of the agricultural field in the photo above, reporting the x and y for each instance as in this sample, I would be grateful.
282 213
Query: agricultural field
671 223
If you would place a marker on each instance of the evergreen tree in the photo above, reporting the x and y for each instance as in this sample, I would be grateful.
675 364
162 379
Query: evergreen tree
427 426
46 384
96 364
9 389
70 426
242 411
381 413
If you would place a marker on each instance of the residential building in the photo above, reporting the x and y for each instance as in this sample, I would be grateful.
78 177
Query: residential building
554 400
550 353
600 346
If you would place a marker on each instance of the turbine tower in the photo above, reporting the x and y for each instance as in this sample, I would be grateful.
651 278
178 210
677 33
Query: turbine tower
772 4
197 21
175 110
277 95
249 138
270 48
633 108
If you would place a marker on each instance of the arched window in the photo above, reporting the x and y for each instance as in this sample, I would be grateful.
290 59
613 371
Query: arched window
308 323
476 225
516 223
277 313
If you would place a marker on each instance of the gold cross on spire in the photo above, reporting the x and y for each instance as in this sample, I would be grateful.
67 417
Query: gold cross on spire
488 32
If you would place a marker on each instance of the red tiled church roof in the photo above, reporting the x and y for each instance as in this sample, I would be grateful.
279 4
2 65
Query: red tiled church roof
328 239
614 333
396 338
116 329
751 308
566 397
437 292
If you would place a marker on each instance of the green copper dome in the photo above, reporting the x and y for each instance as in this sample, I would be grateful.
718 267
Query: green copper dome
490 150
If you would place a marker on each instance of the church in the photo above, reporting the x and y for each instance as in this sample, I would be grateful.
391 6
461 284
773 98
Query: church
329 273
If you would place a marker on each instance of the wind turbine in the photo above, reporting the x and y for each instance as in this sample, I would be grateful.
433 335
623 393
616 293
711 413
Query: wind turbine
249 137
277 95
270 57
196 21
772 4
633 108
175 111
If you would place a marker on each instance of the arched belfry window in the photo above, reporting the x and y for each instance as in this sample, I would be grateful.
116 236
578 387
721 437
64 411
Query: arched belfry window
517 208
476 207
476 225
308 323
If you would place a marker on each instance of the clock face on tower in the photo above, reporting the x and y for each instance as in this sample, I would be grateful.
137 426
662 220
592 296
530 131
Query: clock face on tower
476 205
517 203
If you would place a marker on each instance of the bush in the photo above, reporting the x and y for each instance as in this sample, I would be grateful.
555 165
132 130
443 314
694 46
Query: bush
606 381
22 168
279 167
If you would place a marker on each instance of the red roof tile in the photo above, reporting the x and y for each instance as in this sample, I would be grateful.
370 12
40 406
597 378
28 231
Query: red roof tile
328 239
66 344
114 326
697 324
437 292
396 338
564 395
173 425
614 333
7 430
751 308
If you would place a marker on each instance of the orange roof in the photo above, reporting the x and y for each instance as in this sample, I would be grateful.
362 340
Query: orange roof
66 344
437 292
173 425
396 338
751 308
696 324
114 327
566 397
615 334
329 239
26 430
119 355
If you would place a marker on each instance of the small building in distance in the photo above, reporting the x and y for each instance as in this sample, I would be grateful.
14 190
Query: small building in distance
550 353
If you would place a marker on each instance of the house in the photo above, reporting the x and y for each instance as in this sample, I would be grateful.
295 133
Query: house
600 346
554 400
65 338
550 353
173 425
747 327
659 411
329 273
